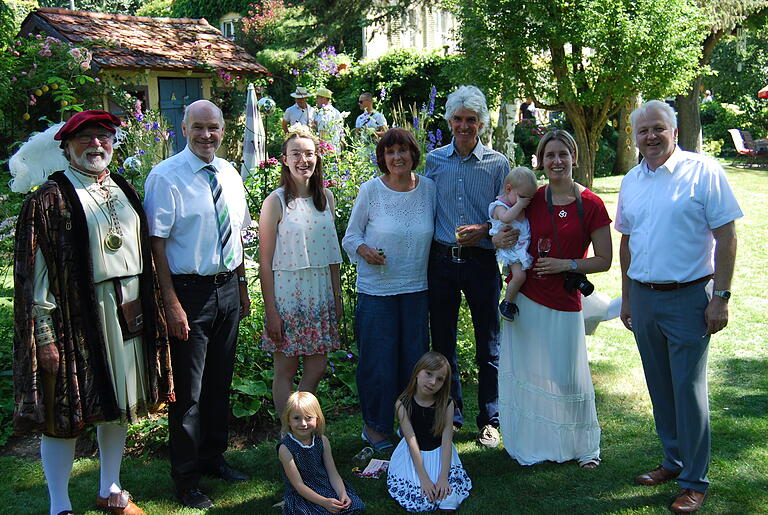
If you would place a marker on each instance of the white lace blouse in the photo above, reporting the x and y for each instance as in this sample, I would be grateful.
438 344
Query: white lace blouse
399 223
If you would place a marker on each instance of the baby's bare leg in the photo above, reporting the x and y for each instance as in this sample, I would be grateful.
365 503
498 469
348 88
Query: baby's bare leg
516 281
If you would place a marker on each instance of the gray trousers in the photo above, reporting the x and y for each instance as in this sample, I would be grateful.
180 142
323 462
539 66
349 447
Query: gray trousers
670 332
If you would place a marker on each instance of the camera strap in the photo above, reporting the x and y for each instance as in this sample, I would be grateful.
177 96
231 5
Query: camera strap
551 209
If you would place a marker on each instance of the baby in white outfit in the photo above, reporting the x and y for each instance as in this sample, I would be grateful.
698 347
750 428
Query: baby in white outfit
509 209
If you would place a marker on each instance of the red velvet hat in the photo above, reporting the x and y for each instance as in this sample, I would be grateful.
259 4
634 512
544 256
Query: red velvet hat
83 118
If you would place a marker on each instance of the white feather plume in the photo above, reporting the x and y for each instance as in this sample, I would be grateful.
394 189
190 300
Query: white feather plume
36 160
39 157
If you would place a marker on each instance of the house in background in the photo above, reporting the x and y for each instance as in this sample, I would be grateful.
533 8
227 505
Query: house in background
167 63
420 27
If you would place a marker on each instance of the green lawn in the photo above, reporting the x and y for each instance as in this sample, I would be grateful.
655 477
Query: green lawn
739 402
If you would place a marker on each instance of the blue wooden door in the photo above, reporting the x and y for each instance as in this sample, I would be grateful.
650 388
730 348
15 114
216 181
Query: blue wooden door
175 94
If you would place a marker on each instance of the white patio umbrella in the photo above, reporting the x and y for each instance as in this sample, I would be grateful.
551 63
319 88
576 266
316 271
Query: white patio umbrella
254 139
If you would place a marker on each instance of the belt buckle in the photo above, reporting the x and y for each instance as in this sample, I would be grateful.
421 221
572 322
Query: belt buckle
220 278
455 252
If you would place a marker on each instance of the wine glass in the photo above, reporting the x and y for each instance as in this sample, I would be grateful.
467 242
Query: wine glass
544 246
456 251
381 267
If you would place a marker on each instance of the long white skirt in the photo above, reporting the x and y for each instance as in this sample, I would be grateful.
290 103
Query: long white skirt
546 398
404 485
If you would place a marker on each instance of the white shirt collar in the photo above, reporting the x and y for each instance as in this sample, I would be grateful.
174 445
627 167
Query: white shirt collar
669 165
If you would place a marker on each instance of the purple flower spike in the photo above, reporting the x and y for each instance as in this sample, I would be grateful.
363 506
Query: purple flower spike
432 95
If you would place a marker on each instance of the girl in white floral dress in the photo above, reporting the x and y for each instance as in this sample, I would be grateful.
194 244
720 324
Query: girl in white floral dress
425 472
299 258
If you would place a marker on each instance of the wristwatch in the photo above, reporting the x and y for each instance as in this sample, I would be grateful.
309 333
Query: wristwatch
574 265
724 294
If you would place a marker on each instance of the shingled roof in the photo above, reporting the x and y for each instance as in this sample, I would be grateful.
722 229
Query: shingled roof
178 44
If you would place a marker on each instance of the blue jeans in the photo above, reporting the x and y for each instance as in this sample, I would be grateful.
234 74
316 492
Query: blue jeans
392 334
479 279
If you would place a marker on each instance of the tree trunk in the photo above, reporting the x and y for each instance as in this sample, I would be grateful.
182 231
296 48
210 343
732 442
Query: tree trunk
504 133
584 171
689 119
626 149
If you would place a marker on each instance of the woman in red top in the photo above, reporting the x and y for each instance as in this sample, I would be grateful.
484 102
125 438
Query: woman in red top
546 398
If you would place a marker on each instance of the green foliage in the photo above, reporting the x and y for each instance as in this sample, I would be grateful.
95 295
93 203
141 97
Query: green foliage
8 27
211 11
527 136
102 6
147 142
735 71
6 370
404 76
148 437
737 75
583 58
156 9
41 80
717 118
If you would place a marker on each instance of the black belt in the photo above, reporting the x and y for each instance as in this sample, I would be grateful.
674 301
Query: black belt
674 286
441 249
216 279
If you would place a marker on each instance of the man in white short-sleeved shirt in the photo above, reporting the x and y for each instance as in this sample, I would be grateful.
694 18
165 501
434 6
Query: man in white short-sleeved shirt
300 112
199 261
328 121
370 118
676 214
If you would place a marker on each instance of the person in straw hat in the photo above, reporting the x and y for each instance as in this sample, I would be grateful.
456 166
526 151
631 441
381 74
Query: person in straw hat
300 112
327 122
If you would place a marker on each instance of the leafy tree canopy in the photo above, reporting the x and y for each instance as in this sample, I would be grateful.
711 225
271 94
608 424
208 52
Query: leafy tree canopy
103 6
735 74
156 8
211 11
583 57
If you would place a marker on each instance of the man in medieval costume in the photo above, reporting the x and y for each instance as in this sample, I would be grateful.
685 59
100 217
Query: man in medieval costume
90 343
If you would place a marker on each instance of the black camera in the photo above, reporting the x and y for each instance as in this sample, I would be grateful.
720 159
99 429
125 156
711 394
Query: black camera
577 281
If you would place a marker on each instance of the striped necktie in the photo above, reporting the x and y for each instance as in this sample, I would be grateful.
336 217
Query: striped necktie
222 219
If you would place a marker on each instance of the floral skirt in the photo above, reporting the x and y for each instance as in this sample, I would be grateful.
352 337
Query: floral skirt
404 485
306 305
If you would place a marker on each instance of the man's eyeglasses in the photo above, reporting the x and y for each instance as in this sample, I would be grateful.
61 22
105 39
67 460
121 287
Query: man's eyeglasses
84 139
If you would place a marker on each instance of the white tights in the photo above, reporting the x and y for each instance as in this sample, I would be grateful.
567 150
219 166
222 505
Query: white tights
58 454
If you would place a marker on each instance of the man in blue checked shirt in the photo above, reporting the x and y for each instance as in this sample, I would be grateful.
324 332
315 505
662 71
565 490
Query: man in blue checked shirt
468 176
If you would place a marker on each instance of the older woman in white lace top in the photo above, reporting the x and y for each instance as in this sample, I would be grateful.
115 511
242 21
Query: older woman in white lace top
388 237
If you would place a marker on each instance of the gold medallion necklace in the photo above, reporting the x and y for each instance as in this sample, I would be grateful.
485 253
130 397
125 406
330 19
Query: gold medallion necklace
114 238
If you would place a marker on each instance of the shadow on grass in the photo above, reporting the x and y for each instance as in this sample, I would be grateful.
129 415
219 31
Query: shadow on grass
605 190
629 447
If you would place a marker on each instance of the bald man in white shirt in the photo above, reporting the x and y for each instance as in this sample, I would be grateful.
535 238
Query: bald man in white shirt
676 214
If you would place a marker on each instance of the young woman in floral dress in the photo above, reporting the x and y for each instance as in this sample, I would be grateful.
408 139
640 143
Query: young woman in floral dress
299 268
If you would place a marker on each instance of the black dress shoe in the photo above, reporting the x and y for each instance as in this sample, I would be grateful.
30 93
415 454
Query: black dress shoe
194 498
225 472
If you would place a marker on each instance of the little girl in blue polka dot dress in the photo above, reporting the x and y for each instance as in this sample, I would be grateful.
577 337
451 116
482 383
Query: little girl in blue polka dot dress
312 483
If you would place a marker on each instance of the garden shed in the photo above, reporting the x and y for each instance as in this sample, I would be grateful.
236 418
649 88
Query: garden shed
165 62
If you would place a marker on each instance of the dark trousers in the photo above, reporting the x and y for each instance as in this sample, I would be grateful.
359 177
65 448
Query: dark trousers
479 279
671 337
392 334
198 422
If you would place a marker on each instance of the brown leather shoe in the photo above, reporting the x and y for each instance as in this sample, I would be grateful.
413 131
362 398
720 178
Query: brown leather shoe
656 476
118 503
688 501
